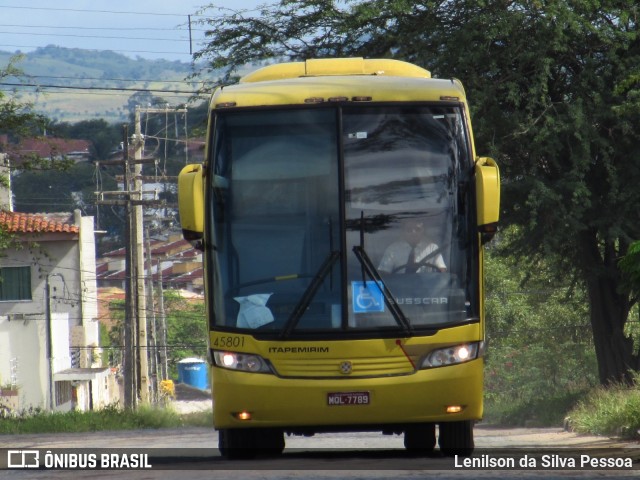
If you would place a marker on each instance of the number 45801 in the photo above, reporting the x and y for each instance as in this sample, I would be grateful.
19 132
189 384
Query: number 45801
228 342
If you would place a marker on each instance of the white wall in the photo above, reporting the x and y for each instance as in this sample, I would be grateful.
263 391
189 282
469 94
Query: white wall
68 261
23 340
88 283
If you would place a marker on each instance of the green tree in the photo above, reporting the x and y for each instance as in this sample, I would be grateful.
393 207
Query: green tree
54 191
540 356
186 330
630 265
555 94
105 137
16 119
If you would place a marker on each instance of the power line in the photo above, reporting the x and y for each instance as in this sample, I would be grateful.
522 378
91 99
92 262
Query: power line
61 77
105 37
118 89
24 33
115 12
102 50
137 29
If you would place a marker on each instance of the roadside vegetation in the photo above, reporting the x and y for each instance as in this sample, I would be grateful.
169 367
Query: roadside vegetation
541 367
613 411
540 359
110 418
184 321
186 330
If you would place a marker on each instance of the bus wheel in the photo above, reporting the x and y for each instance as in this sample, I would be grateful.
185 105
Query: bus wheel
420 439
270 441
456 438
243 443
236 443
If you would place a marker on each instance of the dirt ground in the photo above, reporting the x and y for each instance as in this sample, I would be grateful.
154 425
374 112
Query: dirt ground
191 400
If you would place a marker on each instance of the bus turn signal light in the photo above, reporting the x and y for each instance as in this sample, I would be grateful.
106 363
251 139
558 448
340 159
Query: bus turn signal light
454 408
243 415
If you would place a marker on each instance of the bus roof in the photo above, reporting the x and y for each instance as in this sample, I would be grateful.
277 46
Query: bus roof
336 66
325 80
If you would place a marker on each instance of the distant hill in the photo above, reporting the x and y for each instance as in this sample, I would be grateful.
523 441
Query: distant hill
100 74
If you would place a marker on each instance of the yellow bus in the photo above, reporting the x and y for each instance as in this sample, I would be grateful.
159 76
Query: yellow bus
342 210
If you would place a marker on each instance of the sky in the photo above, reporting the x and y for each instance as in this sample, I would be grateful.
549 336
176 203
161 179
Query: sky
150 29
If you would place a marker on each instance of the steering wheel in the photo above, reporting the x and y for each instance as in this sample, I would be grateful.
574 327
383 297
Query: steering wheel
424 262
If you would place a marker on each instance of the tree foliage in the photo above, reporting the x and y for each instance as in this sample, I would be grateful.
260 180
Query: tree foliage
104 137
630 265
554 88
540 355
187 331
16 118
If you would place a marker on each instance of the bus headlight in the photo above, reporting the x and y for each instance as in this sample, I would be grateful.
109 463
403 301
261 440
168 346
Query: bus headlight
245 362
453 355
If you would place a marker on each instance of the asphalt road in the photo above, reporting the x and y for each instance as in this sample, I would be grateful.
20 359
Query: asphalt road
187 454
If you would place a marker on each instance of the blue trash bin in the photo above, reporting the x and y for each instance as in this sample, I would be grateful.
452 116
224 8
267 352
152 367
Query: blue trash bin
193 372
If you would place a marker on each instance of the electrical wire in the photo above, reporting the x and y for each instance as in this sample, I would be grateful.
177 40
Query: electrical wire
102 37
155 52
147 13
109 89
183 20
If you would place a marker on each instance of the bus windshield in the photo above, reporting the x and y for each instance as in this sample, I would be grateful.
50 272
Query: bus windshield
342 220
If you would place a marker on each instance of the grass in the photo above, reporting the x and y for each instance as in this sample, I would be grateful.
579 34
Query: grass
611 411
110 418
535 412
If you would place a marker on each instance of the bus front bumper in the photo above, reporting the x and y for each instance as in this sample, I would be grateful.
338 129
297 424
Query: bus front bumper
451 393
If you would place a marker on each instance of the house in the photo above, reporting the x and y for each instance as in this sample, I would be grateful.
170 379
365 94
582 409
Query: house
49 333
48 148
174 263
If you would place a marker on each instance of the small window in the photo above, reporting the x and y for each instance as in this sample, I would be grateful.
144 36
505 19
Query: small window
15 283
64 393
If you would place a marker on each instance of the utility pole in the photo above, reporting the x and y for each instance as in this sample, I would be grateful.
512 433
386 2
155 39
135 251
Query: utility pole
137 379
49 344
130 360
160 326
162 357
135 362
138 234
153 335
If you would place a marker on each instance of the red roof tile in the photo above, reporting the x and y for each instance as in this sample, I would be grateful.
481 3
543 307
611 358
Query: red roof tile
15 222
50 147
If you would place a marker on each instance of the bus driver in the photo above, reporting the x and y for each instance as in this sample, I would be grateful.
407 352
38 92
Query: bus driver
412 253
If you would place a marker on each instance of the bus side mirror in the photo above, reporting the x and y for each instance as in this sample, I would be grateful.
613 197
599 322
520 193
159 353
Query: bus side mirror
191 203
488 197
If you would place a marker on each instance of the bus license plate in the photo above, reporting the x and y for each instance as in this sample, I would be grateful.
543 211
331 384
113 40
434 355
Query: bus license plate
348 398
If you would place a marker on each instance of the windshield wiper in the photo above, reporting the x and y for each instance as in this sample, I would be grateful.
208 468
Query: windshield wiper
308 294
373 273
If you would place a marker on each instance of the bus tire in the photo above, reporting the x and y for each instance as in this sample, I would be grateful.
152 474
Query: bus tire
420 438
456 438
245 443
236 443
271 442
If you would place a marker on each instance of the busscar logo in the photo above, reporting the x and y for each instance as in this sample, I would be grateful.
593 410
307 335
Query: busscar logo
23 459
